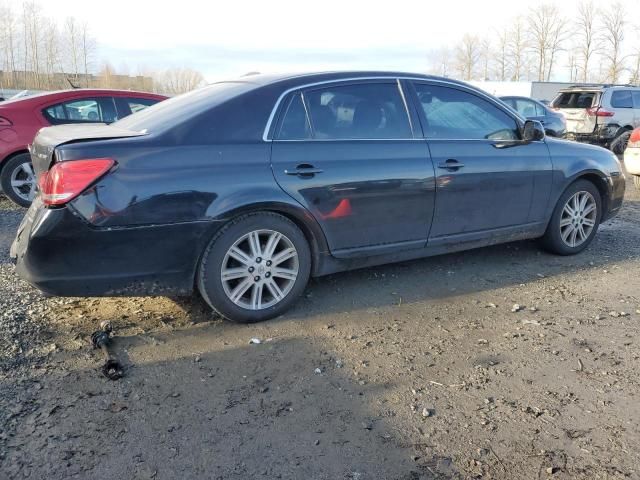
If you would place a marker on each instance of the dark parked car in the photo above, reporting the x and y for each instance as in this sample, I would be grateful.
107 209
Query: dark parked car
555 124
243 189
22 116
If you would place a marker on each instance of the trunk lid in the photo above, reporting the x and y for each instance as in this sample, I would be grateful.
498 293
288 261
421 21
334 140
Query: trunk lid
575 105
49 138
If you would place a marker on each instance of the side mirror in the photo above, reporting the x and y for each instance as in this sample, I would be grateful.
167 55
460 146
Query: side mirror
532 131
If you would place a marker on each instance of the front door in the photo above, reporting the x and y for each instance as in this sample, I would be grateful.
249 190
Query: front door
486 178
347 153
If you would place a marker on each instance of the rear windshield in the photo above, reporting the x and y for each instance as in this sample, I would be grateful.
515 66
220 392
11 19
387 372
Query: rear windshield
575 99
176 110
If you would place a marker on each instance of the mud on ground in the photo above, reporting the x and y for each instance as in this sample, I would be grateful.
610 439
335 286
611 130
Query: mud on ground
419 370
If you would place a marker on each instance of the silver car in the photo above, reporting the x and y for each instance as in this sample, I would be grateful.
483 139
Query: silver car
600 114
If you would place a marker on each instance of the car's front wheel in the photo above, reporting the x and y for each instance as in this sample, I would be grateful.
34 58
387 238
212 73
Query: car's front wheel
255 267
575 219
18 180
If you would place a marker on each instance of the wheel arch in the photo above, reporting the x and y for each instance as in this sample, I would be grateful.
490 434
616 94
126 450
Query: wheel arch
10 156
302 218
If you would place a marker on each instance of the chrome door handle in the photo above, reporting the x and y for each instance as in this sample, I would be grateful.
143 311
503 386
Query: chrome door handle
304 170
451 164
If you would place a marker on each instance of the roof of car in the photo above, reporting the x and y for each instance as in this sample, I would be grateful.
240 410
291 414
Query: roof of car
590 87
311 77
62 94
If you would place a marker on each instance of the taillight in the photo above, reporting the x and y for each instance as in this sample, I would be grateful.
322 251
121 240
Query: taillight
67 180
599 112
5 122
634 139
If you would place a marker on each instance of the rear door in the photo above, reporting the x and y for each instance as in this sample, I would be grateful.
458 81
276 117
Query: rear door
576 105
486 178
347 152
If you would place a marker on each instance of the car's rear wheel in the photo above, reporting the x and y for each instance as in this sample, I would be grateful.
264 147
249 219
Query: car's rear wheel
575 219
18 180
636 181
619 144
255 267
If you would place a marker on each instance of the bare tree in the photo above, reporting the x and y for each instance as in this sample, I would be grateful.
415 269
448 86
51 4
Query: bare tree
588 33
180 80
72 44
440 61
545 29
467 56
87 50
8 43
486 56
517 48
572 63
613 23
502 52
51 41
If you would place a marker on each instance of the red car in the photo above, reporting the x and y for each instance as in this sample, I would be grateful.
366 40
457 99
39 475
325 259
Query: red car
21 119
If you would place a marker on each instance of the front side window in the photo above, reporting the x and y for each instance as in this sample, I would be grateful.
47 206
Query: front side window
85 110
359 111
621 99
636 99
450 113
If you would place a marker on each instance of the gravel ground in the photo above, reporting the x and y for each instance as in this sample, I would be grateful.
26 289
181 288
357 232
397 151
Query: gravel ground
424 369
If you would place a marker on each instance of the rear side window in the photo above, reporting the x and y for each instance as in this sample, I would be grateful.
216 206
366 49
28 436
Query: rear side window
85 110
621 99
454 114
526 108
636 99
137 104
360 111
295 124
575 99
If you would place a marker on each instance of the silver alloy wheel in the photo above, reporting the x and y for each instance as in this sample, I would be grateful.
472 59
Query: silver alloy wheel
578 219
259 269
23 181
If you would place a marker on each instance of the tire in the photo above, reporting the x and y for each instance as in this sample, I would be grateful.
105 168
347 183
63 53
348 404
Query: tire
636 181
13 171
619 144
553 240
241 298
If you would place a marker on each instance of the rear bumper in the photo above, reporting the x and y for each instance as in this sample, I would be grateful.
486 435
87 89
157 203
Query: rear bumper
602 135
56 251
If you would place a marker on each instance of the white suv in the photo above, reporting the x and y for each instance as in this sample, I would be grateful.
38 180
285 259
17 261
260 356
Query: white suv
600 114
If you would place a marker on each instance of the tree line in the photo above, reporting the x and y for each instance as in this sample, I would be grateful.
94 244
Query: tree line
36 53
591 45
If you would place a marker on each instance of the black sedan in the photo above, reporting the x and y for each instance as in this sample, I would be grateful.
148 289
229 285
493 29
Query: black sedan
243 189
555 125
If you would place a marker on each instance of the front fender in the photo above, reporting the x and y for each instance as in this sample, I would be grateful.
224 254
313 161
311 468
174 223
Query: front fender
572 161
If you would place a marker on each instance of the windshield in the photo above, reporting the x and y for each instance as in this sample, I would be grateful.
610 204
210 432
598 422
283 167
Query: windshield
175 110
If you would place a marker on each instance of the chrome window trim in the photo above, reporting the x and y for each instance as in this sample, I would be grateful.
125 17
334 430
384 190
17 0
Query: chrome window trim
274 110
406 107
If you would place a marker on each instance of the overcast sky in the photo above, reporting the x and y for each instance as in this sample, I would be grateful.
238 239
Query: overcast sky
229 38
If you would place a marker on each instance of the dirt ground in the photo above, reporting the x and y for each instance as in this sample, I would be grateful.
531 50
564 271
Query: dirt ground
419 370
